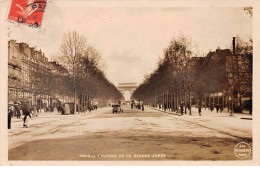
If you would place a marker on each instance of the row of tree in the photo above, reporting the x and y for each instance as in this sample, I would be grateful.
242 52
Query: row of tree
182 78
86 77
77 73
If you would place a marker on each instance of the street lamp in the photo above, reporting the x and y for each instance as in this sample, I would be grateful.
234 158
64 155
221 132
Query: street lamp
233 74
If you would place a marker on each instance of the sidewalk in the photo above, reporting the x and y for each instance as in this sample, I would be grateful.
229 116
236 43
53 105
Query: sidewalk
41 119
238 125
46 115
207 112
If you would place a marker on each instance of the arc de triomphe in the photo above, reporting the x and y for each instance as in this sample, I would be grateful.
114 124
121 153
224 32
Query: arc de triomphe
127 89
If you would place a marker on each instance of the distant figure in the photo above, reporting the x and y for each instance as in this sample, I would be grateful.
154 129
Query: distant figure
217 108
189 106
250 106
142 107
90 108
18 112
211 108
221 108
10 114
139 104
199 109
181 108
60 109
52 109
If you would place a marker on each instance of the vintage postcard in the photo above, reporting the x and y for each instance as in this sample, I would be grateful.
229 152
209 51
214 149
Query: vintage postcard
129 82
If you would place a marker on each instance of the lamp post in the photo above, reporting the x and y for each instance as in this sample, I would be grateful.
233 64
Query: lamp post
233 74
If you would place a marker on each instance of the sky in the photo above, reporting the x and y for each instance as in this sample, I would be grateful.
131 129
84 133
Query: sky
131 39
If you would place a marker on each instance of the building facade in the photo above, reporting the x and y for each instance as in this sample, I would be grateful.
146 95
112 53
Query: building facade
30 75
14 72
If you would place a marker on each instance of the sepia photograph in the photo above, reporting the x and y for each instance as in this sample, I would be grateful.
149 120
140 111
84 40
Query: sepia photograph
128 82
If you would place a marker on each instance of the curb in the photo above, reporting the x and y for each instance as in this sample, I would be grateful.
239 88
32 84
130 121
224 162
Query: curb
166 112
246 118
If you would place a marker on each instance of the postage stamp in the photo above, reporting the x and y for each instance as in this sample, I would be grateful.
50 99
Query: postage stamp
27 11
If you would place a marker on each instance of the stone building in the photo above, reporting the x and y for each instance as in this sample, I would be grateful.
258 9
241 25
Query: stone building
228 79
28 70
14 72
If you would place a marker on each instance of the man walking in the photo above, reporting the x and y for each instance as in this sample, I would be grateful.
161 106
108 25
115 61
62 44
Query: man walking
199 109
221 108
26 113
211 108
217 108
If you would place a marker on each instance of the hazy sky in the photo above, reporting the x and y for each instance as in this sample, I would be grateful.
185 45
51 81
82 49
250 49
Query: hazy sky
131 39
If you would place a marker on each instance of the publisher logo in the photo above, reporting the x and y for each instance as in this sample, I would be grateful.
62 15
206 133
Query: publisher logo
242 150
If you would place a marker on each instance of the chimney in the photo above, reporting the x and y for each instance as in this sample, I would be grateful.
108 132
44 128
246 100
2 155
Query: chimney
234 45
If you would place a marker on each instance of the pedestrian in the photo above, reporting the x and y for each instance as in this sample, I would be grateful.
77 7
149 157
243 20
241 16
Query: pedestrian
10 114
18 112
250 106
62 109
189 106
181 108
199 109
217 108
211 108
142 107
184 108
26 113
221 108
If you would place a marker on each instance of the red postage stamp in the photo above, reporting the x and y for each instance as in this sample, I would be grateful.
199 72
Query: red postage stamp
27 11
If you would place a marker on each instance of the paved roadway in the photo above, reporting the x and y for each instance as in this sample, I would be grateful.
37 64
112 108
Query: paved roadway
132 135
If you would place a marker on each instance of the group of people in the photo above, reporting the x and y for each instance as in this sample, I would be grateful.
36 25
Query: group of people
183 108
18 110
218 108
137 104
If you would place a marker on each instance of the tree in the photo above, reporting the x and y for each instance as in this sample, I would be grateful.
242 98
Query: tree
83 63
72 49
170 77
